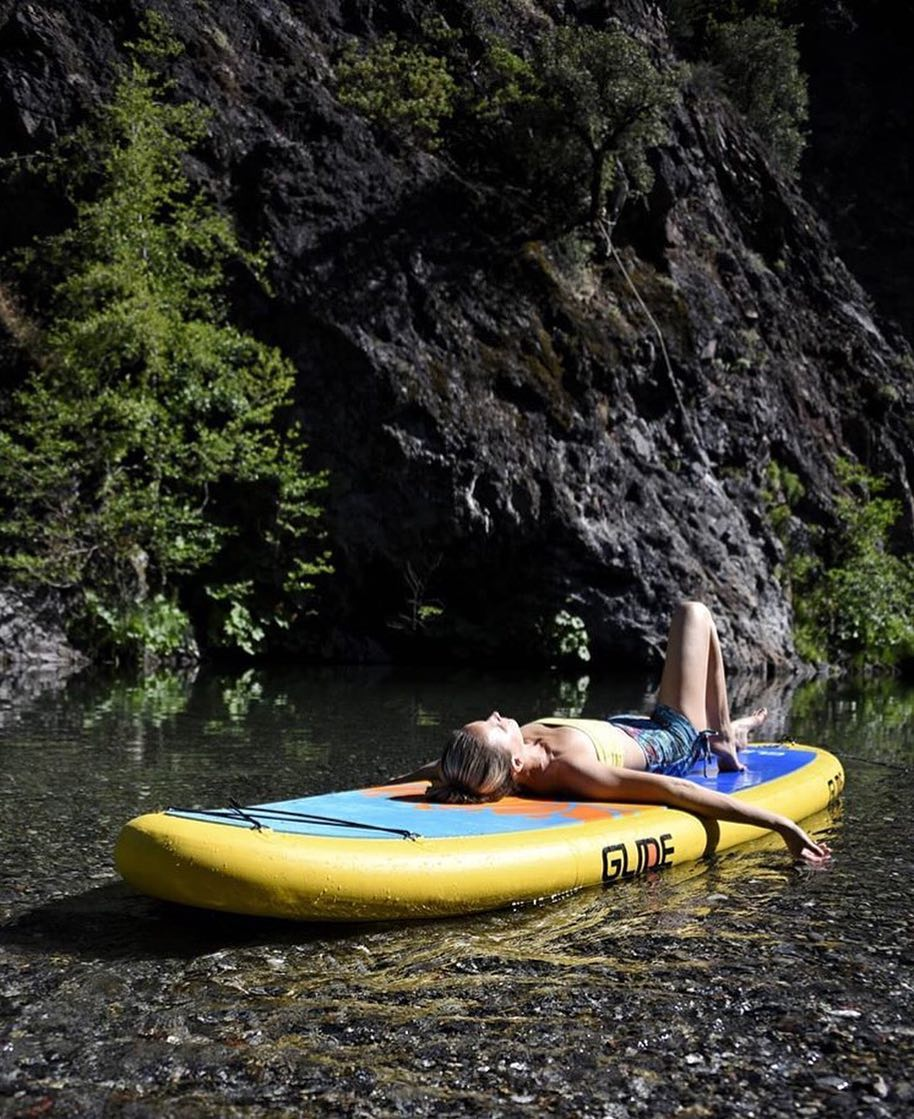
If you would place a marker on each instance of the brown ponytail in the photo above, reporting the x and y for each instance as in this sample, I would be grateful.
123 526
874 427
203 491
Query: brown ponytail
472 772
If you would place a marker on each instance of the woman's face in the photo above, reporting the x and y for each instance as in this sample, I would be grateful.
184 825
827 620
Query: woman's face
499 733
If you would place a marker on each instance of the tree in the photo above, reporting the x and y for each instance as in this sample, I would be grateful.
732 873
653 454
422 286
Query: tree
147 417
599 92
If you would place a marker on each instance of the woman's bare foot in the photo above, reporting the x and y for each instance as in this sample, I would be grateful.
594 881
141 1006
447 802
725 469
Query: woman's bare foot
724 747
742 727
726 744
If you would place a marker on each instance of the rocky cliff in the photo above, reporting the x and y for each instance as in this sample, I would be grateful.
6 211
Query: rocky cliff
513 423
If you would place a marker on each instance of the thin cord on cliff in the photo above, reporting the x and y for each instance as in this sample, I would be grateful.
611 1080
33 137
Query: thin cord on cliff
604 227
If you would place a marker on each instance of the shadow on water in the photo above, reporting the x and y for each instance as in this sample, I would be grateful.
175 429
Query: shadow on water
112 922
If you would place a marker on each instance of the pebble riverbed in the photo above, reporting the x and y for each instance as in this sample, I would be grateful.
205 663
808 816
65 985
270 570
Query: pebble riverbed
739 986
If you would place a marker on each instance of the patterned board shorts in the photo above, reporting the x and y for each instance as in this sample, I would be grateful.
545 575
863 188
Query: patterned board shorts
670 743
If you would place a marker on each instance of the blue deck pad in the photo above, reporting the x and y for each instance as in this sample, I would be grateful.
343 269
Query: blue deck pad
404 807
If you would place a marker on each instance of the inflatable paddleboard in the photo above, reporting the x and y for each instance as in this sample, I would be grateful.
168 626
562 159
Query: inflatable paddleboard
386 853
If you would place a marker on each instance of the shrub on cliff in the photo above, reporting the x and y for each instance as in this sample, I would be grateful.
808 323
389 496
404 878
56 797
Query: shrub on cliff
399 86
575 117
752 46
760 65
693 21
854 606
148 421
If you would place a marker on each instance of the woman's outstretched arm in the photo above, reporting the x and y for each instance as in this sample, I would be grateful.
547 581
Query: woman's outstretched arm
594 781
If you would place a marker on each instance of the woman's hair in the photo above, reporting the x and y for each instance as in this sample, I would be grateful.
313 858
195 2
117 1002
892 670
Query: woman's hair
472 772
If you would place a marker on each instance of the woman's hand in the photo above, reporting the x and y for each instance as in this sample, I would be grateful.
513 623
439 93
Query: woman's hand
802 848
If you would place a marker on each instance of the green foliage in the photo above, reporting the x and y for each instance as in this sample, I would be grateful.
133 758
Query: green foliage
507 81
582 108
146 415
421 612
760 66
783 491
238 626
568 636
400 87
857 608
693 21
752 45
597 105
155 628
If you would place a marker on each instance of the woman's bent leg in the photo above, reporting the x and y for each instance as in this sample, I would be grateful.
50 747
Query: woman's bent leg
685 682
694 681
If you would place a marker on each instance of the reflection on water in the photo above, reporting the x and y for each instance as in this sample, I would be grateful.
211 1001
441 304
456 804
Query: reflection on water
734 986
873 718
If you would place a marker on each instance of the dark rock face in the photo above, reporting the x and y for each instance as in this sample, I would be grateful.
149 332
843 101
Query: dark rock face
31 636
504 434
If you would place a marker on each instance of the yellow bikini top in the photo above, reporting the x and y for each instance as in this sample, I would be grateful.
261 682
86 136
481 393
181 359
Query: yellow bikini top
600 733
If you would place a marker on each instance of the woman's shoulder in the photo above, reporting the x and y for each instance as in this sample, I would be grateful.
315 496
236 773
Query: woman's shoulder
563 775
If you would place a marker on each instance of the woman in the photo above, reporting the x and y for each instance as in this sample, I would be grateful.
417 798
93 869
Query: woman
626 758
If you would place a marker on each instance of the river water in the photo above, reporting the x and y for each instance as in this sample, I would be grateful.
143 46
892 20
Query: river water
737 986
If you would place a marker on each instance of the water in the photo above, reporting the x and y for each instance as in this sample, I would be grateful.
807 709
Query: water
739 986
